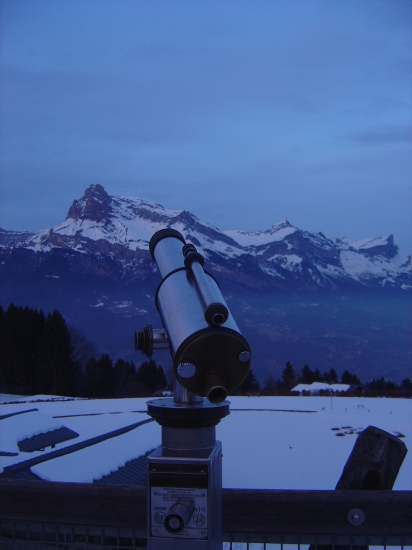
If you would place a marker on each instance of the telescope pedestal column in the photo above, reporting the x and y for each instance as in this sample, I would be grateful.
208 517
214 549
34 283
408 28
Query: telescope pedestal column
185 476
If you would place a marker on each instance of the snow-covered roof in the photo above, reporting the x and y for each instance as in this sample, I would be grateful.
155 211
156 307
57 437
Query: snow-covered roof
321 386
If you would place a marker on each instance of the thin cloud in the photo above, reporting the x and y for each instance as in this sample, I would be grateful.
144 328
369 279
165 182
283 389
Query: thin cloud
393 133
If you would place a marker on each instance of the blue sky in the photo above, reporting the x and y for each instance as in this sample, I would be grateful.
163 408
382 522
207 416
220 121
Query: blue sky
243 112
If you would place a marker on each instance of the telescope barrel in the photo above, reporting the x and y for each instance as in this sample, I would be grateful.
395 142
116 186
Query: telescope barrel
210 356
166 249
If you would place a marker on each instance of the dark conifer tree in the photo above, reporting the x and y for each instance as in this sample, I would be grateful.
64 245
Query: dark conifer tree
269 385
125 383
250 384
288 376
318 377
56 368
308 376
331 377
91 377
381 386
20 335
151 377
161 378
106 376
349 378
406 384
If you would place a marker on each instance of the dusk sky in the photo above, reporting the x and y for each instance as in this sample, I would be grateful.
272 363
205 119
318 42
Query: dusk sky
244 112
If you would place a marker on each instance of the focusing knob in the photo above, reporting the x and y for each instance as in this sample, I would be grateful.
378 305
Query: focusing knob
192 255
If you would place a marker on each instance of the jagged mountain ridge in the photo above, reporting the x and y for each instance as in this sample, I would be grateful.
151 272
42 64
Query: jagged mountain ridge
108 236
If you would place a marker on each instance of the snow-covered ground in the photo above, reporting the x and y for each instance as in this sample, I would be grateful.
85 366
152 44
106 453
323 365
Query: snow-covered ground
268 442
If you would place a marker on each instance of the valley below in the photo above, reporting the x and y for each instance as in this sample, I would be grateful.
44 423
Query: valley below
368 333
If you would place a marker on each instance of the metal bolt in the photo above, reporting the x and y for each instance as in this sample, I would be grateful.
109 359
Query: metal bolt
186 370
244 356
356 516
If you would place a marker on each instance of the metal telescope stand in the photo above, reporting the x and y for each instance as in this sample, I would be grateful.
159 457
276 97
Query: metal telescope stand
184 483
210 358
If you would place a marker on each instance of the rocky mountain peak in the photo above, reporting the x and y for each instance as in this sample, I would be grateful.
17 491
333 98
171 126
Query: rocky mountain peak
283 223
384 247
94 205
387 248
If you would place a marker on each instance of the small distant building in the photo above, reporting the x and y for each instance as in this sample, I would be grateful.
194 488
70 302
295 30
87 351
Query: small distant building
319 388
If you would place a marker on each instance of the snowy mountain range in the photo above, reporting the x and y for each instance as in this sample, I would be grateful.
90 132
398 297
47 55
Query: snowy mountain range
116 229
296 296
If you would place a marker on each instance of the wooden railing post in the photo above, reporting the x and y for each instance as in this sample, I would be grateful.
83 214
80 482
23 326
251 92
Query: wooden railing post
373 464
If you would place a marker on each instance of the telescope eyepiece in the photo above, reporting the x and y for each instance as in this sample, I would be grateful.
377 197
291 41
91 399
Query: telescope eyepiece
216 314
214 387
217 395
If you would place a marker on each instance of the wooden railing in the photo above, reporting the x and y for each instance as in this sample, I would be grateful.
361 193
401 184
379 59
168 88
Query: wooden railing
55 514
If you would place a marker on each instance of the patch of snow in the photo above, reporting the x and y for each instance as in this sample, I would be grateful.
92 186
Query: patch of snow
8 397
19 427
99 460
270 271
291 262
219 247
332 270
361 243
359 266
257 238
268 442
278 449
128 226
406 287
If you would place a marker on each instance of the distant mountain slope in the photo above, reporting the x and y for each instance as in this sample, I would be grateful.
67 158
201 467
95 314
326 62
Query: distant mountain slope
10 238
109 235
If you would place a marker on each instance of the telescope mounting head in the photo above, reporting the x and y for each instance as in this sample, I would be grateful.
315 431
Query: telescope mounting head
210 355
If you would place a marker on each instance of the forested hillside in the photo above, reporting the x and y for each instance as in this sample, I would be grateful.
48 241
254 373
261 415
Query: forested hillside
41 354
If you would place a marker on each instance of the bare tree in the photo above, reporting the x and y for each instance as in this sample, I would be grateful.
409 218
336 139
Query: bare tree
83 349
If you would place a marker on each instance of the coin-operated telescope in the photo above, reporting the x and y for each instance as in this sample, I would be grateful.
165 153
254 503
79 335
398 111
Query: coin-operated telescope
210 358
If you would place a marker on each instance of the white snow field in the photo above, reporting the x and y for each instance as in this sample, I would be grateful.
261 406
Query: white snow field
268 442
